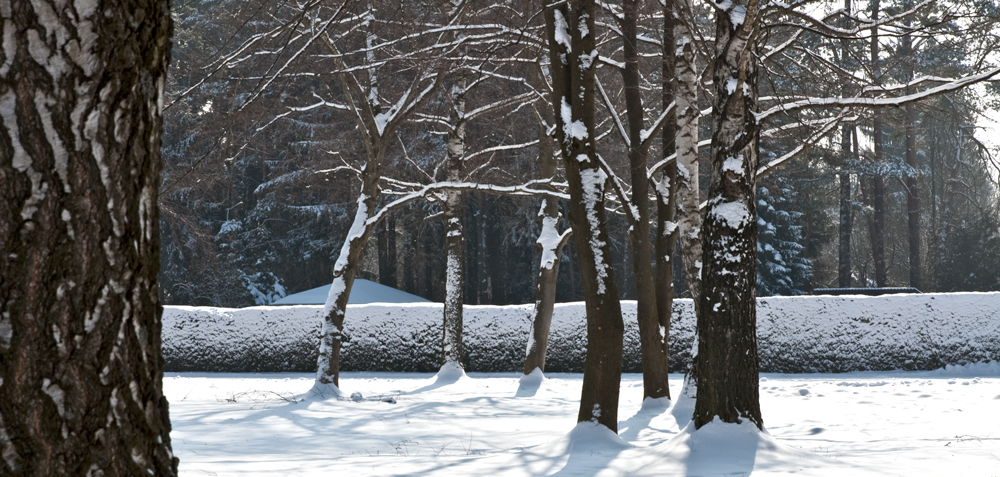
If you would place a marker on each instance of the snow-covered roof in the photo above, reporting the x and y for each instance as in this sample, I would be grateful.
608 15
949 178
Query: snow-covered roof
363 291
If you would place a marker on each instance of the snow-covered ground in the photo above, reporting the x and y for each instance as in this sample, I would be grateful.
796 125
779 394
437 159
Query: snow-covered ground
919 423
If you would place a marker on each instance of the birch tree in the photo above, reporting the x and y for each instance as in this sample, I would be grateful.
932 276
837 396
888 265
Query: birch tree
81 95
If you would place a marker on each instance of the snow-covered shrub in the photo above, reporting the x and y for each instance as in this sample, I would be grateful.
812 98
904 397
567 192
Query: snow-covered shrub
794 334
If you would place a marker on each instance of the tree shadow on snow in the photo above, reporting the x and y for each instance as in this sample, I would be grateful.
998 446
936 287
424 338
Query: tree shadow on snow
630 428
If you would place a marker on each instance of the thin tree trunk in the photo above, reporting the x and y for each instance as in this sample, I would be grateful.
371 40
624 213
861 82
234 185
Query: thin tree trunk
912 191
571 38
846 216
454 238
666 190
877 235
727 321
344 271
846 219
387 253
550 244
652 341
81 389
689 218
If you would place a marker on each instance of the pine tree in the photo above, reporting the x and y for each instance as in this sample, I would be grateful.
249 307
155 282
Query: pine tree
782 268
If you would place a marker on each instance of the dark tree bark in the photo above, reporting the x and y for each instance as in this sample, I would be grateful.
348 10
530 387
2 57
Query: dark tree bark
570 33
550 244
667 230
846 214
846 218
912 191
652 341
727 322
81 91
387 253
877 229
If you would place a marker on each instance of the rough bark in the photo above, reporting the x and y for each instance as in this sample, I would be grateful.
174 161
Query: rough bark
81 91
877 229
570 33
550 244
727 321
652 340
689 218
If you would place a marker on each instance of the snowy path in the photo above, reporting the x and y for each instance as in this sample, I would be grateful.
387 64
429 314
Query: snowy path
940 423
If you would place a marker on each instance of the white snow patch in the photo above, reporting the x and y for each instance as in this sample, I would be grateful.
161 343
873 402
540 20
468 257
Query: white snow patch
571 128
738 15
731 85
562 31
734 215
593 194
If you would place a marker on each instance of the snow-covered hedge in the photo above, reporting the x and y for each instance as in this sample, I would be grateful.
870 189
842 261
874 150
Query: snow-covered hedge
795 334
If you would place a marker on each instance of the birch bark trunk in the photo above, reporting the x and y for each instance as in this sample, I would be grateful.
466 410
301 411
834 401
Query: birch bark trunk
81 95
689 218
454 239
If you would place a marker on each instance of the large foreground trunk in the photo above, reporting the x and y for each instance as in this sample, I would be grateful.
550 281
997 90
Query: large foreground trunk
727 321
570 33
81 91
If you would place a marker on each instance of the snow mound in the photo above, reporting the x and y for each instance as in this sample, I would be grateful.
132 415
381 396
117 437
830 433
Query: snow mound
721 448
586 438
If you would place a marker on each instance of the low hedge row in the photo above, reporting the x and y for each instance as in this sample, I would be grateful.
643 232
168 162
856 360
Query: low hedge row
794 335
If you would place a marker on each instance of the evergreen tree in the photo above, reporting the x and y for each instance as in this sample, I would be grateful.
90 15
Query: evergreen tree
782 267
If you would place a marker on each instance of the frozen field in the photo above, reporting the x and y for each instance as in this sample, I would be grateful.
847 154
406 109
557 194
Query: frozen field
937 423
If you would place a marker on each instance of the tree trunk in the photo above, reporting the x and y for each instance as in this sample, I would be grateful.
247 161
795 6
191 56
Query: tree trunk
550 244
570 33
912 192
387 253
81 389
344 271
454 239
666 190
846 218
877 235
652 339
727 320
846 222
689 218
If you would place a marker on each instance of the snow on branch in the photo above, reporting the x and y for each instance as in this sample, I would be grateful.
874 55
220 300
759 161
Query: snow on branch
765 170
876 102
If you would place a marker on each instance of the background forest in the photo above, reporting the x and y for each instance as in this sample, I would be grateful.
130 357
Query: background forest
262 158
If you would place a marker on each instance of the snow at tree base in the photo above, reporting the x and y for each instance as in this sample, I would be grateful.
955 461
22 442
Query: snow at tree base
917 423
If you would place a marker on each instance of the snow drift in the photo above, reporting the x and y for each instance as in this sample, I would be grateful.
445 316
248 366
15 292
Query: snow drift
794 334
